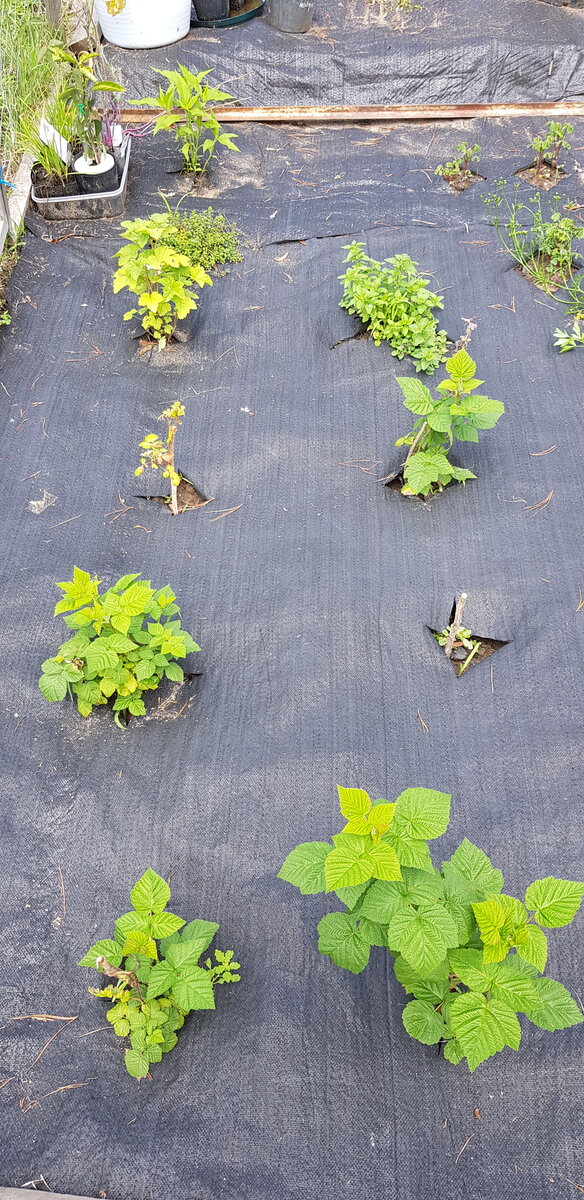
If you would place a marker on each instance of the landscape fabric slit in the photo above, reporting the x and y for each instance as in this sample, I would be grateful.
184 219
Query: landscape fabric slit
440 53
310 588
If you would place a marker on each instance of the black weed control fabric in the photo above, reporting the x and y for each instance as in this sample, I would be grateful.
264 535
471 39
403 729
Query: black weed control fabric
309 587
445 52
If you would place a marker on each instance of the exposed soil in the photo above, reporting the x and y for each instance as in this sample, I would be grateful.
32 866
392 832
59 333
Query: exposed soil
487 647
52 186
188 496
459 183
547 177
553 280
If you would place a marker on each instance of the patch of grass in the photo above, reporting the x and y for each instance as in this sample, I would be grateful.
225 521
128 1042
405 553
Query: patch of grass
26 69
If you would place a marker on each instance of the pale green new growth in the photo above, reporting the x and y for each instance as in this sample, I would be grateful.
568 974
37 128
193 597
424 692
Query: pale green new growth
454 413
125 642
470 956
548 145
459 169
156 986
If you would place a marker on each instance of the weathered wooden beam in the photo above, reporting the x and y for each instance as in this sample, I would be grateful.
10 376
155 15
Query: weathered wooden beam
321 114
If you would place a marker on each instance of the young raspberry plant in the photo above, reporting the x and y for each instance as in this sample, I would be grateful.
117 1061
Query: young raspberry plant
156 453
126 641
156 985
471 956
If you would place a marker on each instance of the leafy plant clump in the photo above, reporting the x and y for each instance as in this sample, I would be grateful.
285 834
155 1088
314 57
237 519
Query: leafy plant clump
541 243
162 278
156 986
395 304
81 94
454 413
187 108
458 172
206 238
156 453
548 146
471 956
125 642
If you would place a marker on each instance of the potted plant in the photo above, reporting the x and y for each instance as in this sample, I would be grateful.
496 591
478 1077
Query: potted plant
94 165
141 24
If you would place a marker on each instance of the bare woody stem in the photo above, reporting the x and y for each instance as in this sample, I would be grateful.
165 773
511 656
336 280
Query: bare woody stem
416 441
103 965
457 622
169 460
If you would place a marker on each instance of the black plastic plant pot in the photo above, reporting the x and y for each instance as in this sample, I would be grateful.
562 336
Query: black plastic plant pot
93 182
212 10
291 16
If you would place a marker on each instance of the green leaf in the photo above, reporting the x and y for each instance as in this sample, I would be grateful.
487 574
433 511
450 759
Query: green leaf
174 672
554 1007
100 656
423 1022
185 953
471 872
163 924
194 989
434 987
423 936
490 915
453 1052
483 1027
348 863
440 418
503 979
340 939
304 867
161 980
53 687
382 902
107 949
384 862
350 895
460 366
136 1063
555 901
422 813
138 942
532 946
354 802
375 935
200 931
417 397
151 893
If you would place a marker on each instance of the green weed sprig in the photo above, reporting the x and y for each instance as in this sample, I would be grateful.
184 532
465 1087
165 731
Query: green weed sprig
156 453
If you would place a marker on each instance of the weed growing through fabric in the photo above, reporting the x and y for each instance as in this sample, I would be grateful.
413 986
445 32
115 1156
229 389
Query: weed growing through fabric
187 108
471 956
205 237
156 986
5 318
569 340
161 277
454 413
459 170
156 453
464 639
540 241
395 304
125 642
548 146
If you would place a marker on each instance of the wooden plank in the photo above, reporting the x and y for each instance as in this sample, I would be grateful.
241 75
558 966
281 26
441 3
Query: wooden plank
380 112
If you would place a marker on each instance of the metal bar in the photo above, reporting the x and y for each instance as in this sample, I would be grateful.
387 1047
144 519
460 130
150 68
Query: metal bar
380 112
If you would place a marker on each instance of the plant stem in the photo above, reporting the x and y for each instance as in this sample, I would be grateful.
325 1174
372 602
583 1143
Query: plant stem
416 440
457 622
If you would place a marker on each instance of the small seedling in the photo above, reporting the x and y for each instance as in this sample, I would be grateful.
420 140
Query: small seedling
547 147
569 340
156 453
457 637
5 318
471 956
158 275
187 108
395 304
458 172
126 641
454 413
156 986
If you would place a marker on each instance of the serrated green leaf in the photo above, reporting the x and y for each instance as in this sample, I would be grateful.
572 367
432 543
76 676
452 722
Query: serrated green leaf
340 939
482 1027
137 942
304 867
100 656
384 862
351 895
136 1063
423 1023
354 802
107 949
201 931
162 925
349 862
434 987
382 902
174 673
532 946
193 989
411 851
417 397
151 893
453 1051
422 936
162 977
422 813
470 872
490 916
555 902
554 1007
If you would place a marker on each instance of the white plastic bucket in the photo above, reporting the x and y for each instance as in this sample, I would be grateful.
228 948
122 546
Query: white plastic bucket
145 23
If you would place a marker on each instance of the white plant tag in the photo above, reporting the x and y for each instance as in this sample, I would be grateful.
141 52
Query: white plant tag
117 135
51 137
